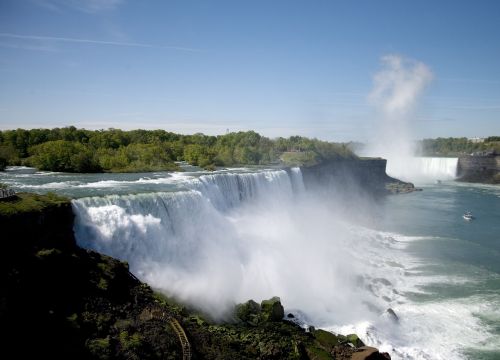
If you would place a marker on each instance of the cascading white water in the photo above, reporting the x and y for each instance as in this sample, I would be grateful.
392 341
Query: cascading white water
423 168
232 237
186 241
439 168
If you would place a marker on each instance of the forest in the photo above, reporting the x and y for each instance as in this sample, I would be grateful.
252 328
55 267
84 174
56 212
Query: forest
458 146
70 149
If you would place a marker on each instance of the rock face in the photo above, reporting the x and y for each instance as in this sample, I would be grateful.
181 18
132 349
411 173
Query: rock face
253 313
36 221
479 168
353 176
248 312
272 310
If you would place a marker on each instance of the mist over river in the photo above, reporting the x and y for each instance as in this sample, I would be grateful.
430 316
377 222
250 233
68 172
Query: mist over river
215 239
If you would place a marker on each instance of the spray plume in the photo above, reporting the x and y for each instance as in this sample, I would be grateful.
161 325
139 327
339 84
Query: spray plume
396 90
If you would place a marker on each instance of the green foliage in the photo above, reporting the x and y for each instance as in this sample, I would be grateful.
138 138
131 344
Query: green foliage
317 353
28 202
8 156
458 146
100 347
299 158
63 155
130 342
137 158
48 253
79 150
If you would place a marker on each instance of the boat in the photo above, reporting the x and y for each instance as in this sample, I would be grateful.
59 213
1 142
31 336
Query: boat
468 216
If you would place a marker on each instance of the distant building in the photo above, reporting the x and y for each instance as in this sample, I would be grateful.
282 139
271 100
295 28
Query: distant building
476 140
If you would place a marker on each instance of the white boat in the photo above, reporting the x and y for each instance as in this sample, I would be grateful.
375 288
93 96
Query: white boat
468 216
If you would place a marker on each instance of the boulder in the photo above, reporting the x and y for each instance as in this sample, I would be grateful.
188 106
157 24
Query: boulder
248 311
327 339
355 340
392 315
272 310
369 353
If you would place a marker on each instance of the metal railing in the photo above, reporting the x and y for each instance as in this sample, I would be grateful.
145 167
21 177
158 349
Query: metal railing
6 193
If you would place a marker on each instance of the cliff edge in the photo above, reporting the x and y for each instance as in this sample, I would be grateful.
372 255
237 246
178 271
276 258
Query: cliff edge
480 168
367 175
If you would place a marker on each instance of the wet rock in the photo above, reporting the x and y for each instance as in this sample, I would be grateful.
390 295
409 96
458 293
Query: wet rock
272 310
392 315
355 340
369 353
248 311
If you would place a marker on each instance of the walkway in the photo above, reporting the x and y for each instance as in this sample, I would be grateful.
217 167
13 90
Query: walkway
158 313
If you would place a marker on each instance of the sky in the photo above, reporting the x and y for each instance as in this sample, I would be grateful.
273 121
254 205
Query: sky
281 68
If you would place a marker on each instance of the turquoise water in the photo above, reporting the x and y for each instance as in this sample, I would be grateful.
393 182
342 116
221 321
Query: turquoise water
462 256
438 272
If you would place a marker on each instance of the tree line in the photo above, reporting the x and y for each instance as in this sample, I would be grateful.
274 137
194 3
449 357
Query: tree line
70 149
458 146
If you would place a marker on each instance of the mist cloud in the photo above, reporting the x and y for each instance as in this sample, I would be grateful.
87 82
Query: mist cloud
397 87
399 83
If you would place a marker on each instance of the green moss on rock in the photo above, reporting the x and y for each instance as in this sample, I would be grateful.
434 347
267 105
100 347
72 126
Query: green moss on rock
272 310
28 202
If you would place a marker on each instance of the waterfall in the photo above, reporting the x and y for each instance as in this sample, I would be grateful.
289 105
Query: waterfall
297 180
186 241
438 168
423 169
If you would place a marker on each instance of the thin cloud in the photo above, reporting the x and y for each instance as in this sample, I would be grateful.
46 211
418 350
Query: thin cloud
87 6
95 42
465 80
473 107
29 47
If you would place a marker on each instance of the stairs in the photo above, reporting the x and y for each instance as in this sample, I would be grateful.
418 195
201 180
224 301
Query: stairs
157 313
186 347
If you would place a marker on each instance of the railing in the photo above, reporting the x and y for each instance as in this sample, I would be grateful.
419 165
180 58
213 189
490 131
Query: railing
6 193
158 313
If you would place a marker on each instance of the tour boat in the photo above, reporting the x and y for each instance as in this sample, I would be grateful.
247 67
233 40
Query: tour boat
468 216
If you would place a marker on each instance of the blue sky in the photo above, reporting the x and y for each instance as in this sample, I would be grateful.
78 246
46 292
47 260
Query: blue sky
278 67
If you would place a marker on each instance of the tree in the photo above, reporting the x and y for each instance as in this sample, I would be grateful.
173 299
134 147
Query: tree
63 155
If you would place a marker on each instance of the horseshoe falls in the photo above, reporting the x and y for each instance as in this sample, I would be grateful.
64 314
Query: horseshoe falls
424 169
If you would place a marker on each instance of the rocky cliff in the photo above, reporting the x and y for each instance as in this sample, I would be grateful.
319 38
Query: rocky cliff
347 176
479 168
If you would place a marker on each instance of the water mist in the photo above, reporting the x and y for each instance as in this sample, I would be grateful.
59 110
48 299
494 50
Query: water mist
234 237
396 90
